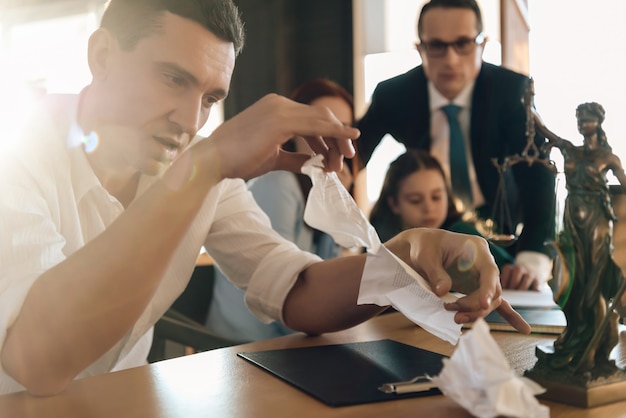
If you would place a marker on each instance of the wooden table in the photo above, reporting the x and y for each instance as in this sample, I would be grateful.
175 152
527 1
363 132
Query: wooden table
220 384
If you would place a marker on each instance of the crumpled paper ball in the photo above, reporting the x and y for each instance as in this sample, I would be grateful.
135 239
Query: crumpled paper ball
479 378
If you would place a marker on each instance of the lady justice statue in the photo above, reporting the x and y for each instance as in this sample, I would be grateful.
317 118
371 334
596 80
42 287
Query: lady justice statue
595 299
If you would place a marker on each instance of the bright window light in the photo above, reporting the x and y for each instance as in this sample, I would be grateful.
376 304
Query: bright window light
38 57
53 51
50 56
580 61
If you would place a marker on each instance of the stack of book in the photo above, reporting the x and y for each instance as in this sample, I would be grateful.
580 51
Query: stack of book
538 309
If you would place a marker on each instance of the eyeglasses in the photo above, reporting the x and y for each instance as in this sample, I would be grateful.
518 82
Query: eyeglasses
462 46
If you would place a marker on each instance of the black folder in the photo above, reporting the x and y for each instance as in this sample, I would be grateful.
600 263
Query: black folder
349 374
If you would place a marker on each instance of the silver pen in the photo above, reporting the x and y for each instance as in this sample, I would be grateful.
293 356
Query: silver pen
417 384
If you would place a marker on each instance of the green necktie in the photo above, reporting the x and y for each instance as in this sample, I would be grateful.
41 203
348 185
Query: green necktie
459 172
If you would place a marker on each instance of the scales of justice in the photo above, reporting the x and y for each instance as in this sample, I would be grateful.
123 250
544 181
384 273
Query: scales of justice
578 368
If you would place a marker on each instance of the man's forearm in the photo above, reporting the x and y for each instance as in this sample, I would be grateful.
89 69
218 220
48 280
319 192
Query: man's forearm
324 298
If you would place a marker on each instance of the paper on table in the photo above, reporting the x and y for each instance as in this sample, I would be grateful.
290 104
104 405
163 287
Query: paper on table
478 377
544 298
386 279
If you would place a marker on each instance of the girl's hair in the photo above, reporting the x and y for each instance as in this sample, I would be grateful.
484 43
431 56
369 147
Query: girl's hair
387 223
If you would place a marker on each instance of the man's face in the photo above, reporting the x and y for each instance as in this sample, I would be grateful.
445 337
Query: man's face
451 72
153 99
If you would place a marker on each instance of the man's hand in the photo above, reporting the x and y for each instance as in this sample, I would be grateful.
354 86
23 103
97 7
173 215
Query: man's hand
513 276
453 261
249 144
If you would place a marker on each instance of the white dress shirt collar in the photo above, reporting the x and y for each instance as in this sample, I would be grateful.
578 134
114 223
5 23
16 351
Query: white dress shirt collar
437 100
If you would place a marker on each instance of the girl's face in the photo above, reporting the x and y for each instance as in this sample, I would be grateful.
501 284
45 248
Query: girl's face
422 200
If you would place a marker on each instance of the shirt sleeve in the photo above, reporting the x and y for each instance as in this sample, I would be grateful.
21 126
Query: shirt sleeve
538 263
253 255
30 245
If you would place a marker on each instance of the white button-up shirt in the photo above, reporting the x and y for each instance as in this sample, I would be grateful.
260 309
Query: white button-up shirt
53 204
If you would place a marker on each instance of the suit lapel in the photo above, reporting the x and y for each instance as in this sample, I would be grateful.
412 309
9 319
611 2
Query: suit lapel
480 123
420 127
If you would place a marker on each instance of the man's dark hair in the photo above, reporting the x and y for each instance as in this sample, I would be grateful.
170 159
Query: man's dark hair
451 4
131 20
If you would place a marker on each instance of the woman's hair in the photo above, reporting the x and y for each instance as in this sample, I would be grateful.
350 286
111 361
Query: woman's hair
131 20
596 110
314 89
321 87
382 217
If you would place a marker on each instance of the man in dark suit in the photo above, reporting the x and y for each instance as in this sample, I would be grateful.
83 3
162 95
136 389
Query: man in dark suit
492 120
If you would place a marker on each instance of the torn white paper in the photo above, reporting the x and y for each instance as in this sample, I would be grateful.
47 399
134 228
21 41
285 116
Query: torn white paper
479 378
331 209
387 280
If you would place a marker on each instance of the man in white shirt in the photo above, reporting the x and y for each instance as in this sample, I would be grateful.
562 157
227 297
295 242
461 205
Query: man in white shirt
106 203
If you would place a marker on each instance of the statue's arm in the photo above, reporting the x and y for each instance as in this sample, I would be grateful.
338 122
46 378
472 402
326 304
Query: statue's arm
553 139
618 171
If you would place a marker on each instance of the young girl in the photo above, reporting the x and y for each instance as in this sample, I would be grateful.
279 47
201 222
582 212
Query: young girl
415 194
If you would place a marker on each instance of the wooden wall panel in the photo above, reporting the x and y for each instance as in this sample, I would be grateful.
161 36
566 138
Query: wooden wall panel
288 43
514 35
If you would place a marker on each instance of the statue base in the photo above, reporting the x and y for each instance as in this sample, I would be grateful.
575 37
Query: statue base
585 390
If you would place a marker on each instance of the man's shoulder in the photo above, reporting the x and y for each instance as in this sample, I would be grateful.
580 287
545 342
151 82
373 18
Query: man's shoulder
503 74
53 114
401 81
500 84
44 129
